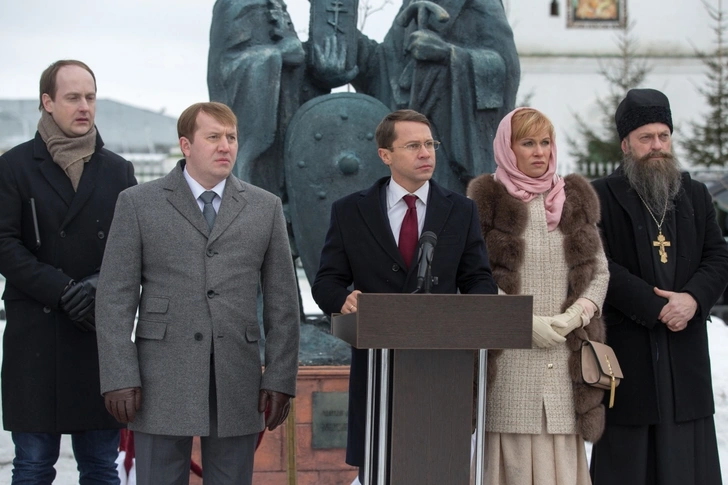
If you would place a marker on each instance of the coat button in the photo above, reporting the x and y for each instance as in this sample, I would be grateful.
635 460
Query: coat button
550 366
210 293
46 309
101 234
198 336
210 253
395 267
62 234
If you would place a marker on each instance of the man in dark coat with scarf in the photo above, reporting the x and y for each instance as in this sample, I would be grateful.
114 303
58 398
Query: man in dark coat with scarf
668 266
57 193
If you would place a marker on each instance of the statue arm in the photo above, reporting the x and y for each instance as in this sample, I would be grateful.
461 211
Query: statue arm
369 63
487 66
429 46
489 78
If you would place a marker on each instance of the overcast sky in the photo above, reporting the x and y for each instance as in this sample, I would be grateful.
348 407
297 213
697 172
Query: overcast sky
148 53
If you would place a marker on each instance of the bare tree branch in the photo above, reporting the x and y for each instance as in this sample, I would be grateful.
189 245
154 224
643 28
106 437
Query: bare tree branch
367 8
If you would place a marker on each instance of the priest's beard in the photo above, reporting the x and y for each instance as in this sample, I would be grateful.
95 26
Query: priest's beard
657 181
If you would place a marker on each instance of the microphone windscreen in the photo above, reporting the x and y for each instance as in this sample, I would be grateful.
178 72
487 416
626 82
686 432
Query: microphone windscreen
428 237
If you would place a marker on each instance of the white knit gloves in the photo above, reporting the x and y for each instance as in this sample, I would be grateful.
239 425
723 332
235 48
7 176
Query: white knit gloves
544 335
551 331
563 323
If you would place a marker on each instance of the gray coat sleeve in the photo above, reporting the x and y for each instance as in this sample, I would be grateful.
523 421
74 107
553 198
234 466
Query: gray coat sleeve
117 300
280 310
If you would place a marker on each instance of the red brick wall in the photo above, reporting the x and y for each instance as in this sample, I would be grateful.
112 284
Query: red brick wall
313 467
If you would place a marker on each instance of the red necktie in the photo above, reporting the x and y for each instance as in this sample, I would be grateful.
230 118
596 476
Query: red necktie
409 230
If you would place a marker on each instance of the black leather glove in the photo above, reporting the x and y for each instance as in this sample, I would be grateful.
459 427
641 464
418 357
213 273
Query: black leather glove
78 300
123 404
279 404
86 323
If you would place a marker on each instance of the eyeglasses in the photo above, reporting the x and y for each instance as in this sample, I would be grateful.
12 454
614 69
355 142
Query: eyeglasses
414 147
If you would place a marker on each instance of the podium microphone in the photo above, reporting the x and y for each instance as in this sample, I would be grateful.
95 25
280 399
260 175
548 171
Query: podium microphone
428 241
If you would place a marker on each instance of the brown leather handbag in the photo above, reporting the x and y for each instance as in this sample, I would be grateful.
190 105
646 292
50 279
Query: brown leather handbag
600 367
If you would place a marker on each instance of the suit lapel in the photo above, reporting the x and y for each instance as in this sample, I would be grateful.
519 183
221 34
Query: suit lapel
632 205
60 182
181 198
86 186
438 209
232 203
54 174
371 209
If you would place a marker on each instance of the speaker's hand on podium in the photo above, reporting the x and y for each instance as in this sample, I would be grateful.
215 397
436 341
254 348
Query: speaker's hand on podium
351 302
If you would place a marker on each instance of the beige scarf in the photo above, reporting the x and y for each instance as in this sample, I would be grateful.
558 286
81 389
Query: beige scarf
69 153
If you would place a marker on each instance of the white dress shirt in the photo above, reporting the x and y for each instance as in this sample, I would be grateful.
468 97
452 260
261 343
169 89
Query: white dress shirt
198 189
397 207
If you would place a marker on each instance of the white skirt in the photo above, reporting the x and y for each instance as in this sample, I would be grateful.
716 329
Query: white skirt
529 459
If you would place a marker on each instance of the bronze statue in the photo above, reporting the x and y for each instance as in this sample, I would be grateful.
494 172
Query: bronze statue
453 60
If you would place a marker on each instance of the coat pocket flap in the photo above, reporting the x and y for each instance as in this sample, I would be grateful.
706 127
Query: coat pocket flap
151 330
252 333
155 304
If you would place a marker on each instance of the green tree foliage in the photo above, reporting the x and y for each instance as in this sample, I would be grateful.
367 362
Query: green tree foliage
597 147
708 145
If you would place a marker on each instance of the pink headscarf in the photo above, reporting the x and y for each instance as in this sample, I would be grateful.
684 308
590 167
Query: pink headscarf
520 185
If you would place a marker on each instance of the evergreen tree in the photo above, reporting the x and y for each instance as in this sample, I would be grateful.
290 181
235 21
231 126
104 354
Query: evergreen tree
597 149
708 145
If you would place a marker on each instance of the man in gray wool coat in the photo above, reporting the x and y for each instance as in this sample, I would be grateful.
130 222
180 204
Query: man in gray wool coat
198 241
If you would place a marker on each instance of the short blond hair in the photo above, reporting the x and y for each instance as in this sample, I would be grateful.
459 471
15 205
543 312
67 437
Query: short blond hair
529 122
187 122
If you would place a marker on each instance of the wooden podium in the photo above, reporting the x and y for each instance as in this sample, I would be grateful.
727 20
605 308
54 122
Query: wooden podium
433 337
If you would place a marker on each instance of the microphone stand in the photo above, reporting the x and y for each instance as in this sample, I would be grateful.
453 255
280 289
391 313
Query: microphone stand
429 280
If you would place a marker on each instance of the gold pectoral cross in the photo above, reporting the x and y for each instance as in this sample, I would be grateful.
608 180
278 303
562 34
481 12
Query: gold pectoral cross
662 244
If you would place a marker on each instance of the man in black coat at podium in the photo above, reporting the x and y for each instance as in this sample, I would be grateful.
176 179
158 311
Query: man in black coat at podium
371 241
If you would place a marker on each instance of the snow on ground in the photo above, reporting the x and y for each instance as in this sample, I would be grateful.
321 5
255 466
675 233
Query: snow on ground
718 334
718 341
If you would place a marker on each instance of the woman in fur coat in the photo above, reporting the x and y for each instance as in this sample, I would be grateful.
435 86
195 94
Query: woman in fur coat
542 239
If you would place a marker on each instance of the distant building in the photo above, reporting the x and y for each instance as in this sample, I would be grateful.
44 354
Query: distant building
561 56
563 45
146 138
